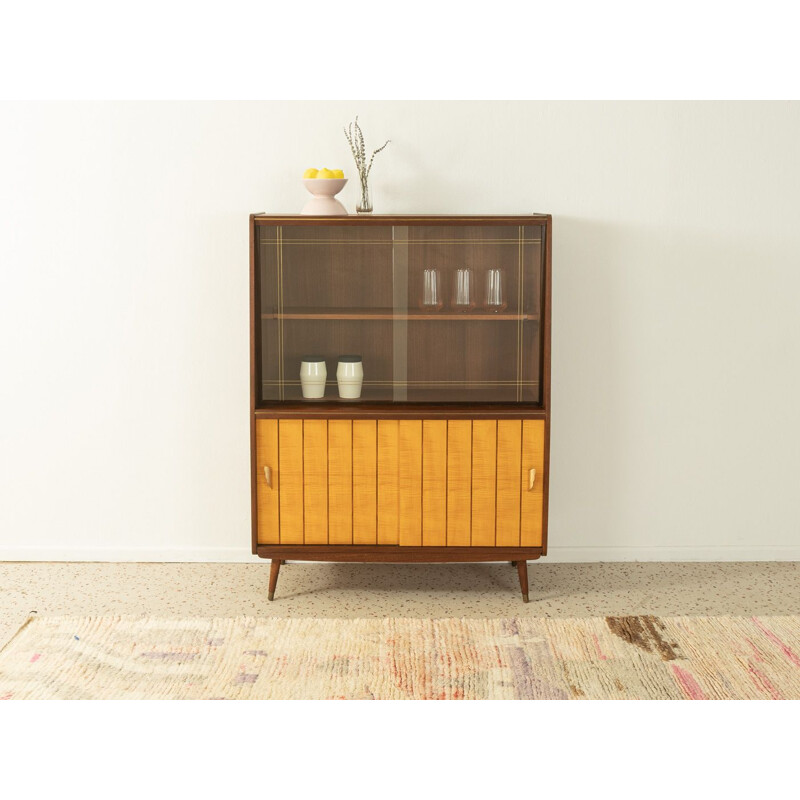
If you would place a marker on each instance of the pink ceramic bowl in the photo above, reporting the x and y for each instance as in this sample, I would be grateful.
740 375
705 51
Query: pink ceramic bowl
324 187
323 202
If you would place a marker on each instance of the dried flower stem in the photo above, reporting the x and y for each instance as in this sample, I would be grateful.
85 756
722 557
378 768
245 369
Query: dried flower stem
355 138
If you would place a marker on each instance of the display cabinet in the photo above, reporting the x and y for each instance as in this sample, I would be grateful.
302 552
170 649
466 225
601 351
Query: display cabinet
444 454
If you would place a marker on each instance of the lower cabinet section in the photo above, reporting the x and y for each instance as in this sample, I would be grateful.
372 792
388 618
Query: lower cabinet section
429 483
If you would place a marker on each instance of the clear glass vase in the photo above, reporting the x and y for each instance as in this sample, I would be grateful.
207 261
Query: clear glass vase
364 204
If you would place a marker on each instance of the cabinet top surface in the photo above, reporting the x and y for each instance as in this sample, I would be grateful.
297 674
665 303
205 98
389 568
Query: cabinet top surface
402 219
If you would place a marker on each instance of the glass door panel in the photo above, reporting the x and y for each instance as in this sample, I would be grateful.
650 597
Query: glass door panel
334 290
326 291
482 345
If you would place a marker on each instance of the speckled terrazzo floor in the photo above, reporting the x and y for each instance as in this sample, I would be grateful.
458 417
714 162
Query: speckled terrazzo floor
407 590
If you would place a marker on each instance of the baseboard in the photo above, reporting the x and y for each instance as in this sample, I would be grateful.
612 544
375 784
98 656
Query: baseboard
557 555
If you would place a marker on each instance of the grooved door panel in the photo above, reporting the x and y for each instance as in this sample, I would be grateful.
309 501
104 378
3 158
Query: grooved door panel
532 498
290 447
388 431
365 481
315 481
484 482
266 496
509 460
340 481
459 479
410 472
434 483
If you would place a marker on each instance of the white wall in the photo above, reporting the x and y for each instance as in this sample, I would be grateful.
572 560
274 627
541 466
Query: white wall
676 291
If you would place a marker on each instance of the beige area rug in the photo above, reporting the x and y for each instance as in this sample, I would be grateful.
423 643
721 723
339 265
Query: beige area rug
244 658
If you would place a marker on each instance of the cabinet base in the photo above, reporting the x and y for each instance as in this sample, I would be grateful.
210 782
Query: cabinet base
280 553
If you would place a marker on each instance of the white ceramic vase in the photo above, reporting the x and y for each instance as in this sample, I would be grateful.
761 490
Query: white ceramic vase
313 374
350 377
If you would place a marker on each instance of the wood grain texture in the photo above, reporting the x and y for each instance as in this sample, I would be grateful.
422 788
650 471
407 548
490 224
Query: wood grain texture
357 220
388 496
290 443
434 483
546 352
340 481
363 409
267 456
274 569
255 381
484 482
410 474
509 460
532 501
459 483
395 553
365 481
315 481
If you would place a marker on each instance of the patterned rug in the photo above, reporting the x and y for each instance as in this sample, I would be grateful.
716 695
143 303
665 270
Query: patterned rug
599 658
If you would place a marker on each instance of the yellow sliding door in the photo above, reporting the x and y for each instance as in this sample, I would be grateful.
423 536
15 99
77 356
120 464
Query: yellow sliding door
365 481
532 482
431 483
290 468
340 481
267 477
509 466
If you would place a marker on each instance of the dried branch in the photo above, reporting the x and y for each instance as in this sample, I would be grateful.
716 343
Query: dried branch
374 154
355 138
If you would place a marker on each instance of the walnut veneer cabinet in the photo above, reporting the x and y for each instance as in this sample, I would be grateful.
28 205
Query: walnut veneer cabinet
445 456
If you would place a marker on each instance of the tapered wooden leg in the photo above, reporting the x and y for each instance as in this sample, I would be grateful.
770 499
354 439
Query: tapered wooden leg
274 569
522 569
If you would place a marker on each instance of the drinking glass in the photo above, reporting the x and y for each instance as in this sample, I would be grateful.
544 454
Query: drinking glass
431 299
496 290
464 289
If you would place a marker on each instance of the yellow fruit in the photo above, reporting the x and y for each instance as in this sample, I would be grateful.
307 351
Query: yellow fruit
310 173
325 173
338 173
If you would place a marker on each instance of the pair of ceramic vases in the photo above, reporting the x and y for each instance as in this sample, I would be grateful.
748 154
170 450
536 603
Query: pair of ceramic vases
314 373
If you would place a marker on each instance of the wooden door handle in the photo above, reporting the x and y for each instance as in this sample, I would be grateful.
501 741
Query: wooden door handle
268 476
531 479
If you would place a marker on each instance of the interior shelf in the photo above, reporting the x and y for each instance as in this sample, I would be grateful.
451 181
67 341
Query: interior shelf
420 392
390 314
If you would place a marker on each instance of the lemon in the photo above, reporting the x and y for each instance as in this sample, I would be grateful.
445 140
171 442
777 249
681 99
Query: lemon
338 173
325 173
310 173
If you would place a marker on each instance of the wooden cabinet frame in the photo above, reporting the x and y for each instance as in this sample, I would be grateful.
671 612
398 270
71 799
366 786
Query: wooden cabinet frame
425 530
